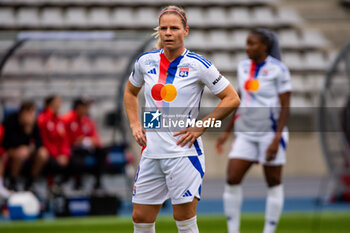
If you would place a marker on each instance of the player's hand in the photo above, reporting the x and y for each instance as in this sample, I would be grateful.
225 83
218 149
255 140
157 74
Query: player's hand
272 150
221 141
79 140
139 134
62 160
189 135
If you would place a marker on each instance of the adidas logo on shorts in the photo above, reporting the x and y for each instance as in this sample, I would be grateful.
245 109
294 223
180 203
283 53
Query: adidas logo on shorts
187 194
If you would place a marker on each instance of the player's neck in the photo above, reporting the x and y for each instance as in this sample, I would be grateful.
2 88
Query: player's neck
260 59
172 54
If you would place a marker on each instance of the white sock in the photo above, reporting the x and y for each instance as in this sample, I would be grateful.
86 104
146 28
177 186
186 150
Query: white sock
188 226
274 206
144 228
232 207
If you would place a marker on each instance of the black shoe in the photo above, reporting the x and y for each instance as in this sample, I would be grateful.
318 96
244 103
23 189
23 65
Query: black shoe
28 185
12 185
77 183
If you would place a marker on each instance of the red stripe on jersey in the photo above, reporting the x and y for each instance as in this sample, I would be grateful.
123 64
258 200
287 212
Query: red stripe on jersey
252 72
163 68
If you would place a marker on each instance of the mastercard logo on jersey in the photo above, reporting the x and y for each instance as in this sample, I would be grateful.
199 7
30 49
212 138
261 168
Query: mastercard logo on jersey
165 92
251 85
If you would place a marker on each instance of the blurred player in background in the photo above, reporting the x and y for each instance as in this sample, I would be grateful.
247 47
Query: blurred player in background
22 141
84 141
4 192
54 136
260 127
170 166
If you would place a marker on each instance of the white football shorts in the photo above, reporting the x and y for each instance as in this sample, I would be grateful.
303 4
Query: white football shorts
179 179
254 150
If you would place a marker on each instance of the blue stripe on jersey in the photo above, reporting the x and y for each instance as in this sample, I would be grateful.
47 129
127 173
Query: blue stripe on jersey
278 63
198 149
205 62
200 190
258 67
200 57
197 164
274 127
154 51
172 70
200 99
198 60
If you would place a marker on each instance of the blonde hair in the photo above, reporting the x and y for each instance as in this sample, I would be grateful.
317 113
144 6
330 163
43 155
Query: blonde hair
170 10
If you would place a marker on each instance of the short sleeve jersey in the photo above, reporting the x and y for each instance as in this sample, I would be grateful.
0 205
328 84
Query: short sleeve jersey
174 85
260 86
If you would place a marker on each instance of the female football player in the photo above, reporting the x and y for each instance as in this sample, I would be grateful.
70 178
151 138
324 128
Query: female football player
260 127
172 162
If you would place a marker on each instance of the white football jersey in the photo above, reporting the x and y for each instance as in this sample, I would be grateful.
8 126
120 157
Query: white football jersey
260 86
175 88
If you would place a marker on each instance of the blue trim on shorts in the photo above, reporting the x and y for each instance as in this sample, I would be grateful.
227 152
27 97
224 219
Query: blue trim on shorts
198 149
274 127
197 164
137 174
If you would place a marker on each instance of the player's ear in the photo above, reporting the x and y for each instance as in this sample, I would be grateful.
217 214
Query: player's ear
187 30
265 48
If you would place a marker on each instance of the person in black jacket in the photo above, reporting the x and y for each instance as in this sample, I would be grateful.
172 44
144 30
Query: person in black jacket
22 142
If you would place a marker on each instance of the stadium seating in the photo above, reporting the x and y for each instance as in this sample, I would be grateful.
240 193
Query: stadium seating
239 16
216 17
263 17
76 17
28 17
218 30
52 17
7 17
99 17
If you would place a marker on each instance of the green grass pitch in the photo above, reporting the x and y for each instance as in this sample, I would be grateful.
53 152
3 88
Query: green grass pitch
251 223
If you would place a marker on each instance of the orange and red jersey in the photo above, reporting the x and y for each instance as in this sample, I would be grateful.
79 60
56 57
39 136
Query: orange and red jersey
2 150
78 128
53 133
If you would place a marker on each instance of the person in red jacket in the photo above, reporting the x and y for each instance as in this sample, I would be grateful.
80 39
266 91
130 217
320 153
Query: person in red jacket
54 136
4 192
84 141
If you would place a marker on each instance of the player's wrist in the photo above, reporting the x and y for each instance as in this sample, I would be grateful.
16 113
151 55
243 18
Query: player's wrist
278 136
135 125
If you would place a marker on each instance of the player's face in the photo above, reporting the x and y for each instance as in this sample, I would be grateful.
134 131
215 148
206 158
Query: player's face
254 47
172 32
82 110
56 105
27 117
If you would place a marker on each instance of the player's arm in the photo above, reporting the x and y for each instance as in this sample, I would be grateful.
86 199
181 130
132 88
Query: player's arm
229 102
283 118
131 107
223 137
281 123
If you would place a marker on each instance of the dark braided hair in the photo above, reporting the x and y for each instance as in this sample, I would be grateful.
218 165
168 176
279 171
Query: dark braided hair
270 39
